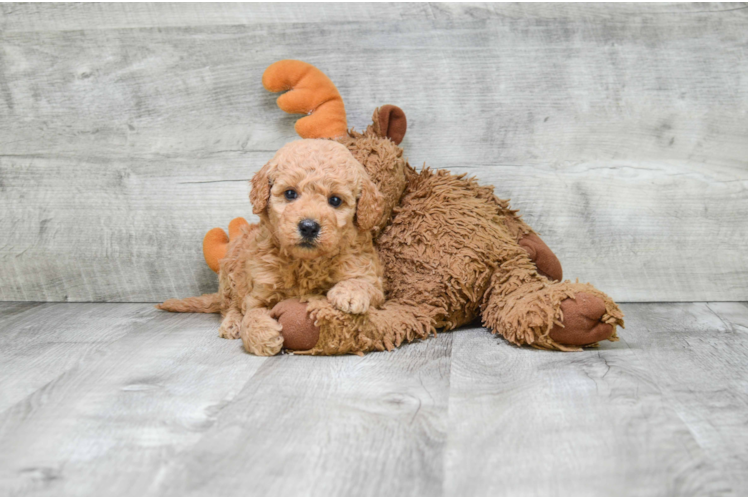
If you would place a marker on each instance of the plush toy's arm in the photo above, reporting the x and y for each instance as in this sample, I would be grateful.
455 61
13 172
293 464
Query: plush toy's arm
317 327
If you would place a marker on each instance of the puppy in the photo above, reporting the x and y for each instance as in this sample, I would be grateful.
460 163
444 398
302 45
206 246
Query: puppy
317 207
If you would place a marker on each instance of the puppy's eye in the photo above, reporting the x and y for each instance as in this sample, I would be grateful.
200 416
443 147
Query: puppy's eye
290 194
334 201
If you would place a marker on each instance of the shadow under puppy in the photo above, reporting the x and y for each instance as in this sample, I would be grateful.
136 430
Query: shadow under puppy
317 207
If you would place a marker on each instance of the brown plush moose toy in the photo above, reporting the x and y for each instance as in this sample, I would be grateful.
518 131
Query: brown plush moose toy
451 250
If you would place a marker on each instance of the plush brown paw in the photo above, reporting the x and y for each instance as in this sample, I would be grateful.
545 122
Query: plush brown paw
582 321
299 331
545 260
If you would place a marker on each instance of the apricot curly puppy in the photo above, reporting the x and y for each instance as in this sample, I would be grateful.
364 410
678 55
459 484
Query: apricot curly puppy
317 207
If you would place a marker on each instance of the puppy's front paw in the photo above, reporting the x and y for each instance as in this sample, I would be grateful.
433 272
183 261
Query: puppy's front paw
230 326
349 298
262 338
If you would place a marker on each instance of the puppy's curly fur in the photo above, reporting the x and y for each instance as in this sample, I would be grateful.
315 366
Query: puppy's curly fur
312 181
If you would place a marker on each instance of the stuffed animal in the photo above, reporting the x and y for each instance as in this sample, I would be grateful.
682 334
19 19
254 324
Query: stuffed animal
452 251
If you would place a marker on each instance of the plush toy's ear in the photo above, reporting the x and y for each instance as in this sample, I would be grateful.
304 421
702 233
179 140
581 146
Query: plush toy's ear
390 122
260 193
370 206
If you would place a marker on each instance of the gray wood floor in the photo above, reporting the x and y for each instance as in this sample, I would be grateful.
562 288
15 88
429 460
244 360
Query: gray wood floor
122 399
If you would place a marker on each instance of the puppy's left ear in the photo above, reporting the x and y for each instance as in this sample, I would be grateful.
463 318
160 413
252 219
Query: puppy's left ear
260 193
370 206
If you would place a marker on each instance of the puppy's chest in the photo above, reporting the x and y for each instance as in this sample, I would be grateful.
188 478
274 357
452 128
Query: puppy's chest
297 278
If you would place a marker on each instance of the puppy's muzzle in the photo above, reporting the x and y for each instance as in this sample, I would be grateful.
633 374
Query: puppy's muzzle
309 230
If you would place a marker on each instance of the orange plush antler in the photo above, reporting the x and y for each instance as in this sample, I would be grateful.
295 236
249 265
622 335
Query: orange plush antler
312 93
216 242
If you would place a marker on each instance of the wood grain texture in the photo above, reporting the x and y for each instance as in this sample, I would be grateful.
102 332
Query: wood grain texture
42 341
660 413
371 426
67 16
620 131
137 401
153 384
703 374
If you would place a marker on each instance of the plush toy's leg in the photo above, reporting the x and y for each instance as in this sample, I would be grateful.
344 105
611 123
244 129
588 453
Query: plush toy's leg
545 260
560 316
527 308
318 328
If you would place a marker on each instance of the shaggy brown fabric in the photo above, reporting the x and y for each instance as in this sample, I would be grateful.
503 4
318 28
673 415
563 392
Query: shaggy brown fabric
451 253
385 164
378 330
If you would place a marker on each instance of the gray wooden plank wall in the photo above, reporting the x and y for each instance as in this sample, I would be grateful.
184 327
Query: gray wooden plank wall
129 130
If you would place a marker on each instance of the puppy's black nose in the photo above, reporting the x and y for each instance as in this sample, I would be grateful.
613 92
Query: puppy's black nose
308 229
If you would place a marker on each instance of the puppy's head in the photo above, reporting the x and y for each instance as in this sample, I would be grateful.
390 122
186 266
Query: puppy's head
315 196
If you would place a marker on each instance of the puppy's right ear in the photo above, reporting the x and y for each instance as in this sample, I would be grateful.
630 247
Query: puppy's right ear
260 193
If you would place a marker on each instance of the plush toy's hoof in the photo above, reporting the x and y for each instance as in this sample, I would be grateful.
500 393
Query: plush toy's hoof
545 260
582 321
299 331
